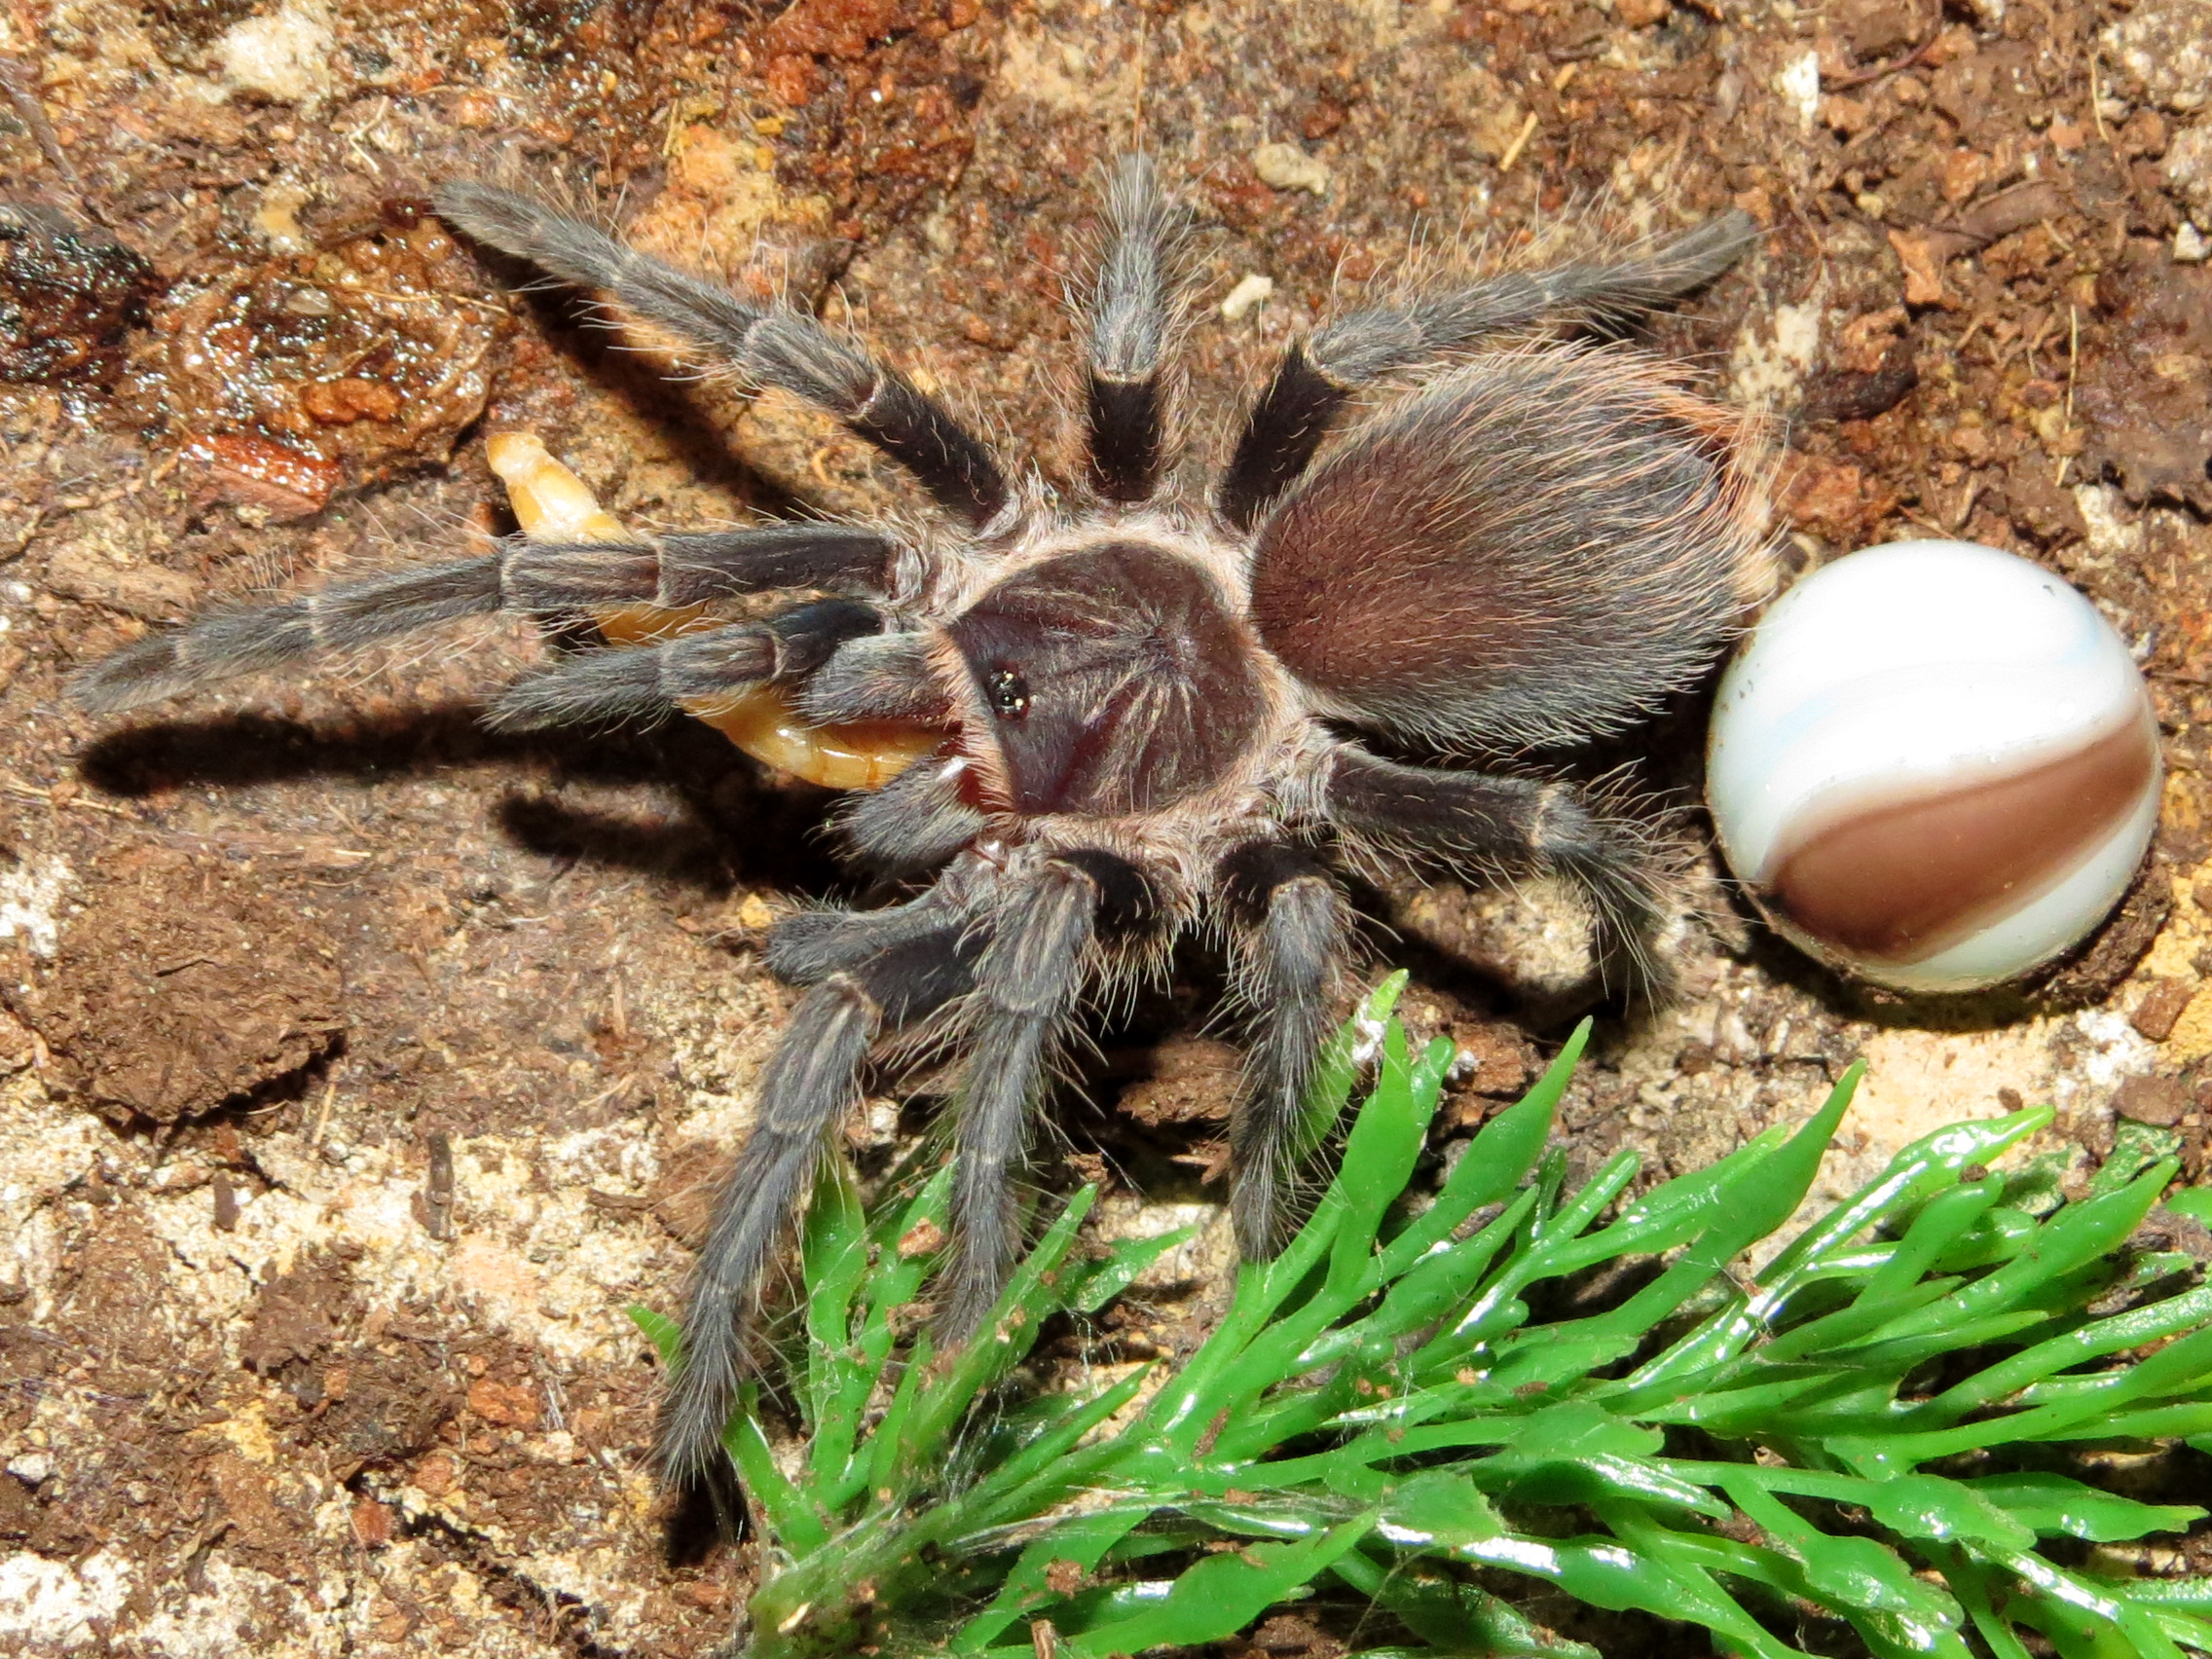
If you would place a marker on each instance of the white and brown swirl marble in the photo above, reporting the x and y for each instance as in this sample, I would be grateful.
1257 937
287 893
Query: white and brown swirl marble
1935 765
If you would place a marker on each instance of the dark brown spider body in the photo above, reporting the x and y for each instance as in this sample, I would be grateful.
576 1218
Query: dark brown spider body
1108 681
1438 529
1147 693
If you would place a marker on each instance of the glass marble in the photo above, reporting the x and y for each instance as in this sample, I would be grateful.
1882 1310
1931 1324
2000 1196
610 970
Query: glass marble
1935 765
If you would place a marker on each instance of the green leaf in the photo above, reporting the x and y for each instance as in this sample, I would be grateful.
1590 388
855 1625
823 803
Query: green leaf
1853 1573
2078 1234
1435 1284
2135 1147
1576 1452
1102 1281
1387 1138
1069 1551
1622 1578
1497 1308
891 1468
1928 1506
1676 1211
1924 1167
2132 1328
1535 1361
664 1333
1049 1463
1263 1288
1757 1197
1453 1617
801 1527
1439 1507
903 1260
2001 1234
1000 1344
1329 1449
1220 1595
1338 1067
834 1250
2196 1204
2055 1507
1494 1163
1576 1428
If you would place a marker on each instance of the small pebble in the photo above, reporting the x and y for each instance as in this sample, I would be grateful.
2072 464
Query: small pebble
226 1204
32 1468
2189 244
2162 1006
2159 1101
285 56
1286 166
1250 292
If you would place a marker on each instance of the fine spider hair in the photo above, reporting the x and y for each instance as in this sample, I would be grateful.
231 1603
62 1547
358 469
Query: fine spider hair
1163 709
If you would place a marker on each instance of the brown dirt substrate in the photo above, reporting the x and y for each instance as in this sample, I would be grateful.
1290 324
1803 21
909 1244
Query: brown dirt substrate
358 1066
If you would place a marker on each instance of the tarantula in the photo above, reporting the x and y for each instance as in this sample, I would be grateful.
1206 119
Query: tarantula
1146 695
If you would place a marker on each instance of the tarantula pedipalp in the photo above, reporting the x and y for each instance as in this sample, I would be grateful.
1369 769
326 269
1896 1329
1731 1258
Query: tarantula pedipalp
552 504
1144 692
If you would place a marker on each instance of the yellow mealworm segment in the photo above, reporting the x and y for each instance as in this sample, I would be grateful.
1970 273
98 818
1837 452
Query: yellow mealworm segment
864 756
551 504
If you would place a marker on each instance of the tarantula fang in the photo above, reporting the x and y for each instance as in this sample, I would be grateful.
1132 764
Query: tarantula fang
1139 705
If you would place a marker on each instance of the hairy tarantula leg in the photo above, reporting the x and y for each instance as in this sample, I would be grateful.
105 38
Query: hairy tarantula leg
1316 378
693 671
525 576
1132 309
918 821
1025 987
881 676
240 639
774 347
1291 938
812 1081
695 567
809 946
1506 826
552 503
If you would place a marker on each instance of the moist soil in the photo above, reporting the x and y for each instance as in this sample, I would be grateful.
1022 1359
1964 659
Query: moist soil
358 1066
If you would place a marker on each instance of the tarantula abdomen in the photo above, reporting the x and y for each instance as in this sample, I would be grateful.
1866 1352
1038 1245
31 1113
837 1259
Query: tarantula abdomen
1533 548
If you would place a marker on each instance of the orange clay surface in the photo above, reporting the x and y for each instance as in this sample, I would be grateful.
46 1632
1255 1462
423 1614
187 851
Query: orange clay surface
552 504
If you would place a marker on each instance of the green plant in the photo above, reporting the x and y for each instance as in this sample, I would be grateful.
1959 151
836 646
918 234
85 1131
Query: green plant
1379 1409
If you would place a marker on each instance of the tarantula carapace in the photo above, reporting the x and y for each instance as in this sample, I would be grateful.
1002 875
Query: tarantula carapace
1148 695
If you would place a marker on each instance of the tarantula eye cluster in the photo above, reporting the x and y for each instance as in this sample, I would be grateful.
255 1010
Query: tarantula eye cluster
1009 694
1105 721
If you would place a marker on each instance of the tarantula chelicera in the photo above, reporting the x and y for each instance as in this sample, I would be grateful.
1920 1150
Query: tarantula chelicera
1148 697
